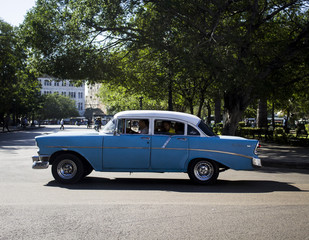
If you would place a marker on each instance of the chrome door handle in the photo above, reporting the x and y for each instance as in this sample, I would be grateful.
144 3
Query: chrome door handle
182 139
145 138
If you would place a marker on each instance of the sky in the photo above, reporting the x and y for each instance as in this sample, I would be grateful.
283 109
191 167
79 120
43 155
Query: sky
14 11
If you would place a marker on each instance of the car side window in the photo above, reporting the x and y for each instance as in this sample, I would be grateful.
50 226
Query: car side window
133 126
166 127
121 126
192 131
110 127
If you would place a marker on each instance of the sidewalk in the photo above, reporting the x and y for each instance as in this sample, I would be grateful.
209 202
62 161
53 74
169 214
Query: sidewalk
279 156
14 128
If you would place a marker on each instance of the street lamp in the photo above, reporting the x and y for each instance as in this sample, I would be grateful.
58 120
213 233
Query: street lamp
141 102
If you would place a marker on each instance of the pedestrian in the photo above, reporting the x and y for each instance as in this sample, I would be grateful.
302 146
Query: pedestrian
62 124
6 121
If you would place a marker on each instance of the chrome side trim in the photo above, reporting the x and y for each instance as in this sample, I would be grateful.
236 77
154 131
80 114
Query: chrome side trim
163 147
166 142
223 152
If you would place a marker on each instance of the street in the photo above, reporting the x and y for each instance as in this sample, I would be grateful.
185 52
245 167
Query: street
269 203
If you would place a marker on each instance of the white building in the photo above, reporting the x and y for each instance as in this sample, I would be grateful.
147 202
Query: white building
92 99
65 88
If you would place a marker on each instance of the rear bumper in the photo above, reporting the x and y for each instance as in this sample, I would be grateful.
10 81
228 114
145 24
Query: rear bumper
40 162
256 162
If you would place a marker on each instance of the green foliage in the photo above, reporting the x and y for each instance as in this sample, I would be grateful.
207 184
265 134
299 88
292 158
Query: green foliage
18 84
181 52
56 106
120 99
218 128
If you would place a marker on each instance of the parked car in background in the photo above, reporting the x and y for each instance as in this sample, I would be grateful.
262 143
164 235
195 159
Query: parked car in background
146 141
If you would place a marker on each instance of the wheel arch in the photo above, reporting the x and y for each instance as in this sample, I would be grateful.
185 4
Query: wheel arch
220 165
85 162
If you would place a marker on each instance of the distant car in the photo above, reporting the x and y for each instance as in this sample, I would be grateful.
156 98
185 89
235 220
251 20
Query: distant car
146 141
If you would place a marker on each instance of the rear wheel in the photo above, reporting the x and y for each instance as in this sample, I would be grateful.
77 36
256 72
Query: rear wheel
68 168
203 171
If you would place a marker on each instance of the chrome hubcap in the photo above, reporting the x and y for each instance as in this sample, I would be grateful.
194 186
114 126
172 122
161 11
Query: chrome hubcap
203 170
66 169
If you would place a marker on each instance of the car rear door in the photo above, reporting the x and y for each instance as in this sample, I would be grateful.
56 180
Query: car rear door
169 149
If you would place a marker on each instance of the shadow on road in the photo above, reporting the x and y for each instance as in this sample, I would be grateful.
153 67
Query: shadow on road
176 185
24 139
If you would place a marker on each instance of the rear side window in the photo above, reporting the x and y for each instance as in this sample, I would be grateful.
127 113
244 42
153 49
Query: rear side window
166 127
192 131
207 130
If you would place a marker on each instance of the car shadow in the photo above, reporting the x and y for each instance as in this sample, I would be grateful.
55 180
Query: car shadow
176 185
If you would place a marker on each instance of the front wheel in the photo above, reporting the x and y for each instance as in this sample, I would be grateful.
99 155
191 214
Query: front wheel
67 169
203 171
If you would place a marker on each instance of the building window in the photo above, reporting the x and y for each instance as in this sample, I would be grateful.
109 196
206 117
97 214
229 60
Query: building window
47 83
80 106
56 84
72 94
80 95
64 83
64 94
71 84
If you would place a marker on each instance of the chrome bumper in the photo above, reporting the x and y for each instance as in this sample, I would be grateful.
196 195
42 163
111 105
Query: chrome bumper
40 162
256 162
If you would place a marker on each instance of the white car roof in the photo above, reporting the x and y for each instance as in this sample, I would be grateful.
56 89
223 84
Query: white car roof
194 120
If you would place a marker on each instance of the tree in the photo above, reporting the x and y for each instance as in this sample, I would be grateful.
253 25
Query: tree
18 84
235 46
56 106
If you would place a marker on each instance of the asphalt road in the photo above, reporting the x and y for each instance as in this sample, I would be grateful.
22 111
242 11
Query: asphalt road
271 203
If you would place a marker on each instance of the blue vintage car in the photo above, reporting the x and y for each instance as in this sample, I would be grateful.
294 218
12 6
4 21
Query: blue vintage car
146 141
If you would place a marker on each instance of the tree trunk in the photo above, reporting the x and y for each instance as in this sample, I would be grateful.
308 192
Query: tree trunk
191 106
231 122
200 107
170 96
218 110
235 103
273 116
262 113
208 113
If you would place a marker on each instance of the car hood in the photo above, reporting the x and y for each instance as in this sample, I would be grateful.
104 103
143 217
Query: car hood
69 134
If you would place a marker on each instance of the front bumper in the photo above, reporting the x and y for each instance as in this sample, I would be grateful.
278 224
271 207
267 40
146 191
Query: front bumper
256 162
40 162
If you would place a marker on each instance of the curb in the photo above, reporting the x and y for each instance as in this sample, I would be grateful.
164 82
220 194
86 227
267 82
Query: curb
288 165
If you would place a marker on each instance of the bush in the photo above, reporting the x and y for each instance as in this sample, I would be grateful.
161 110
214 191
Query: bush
280 136
279 131
242 124
218 128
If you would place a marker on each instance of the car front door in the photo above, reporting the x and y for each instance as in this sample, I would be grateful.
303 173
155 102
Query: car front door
169 146
127 150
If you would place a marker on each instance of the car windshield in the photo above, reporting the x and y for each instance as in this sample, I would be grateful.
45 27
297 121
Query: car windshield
110 127
207 130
